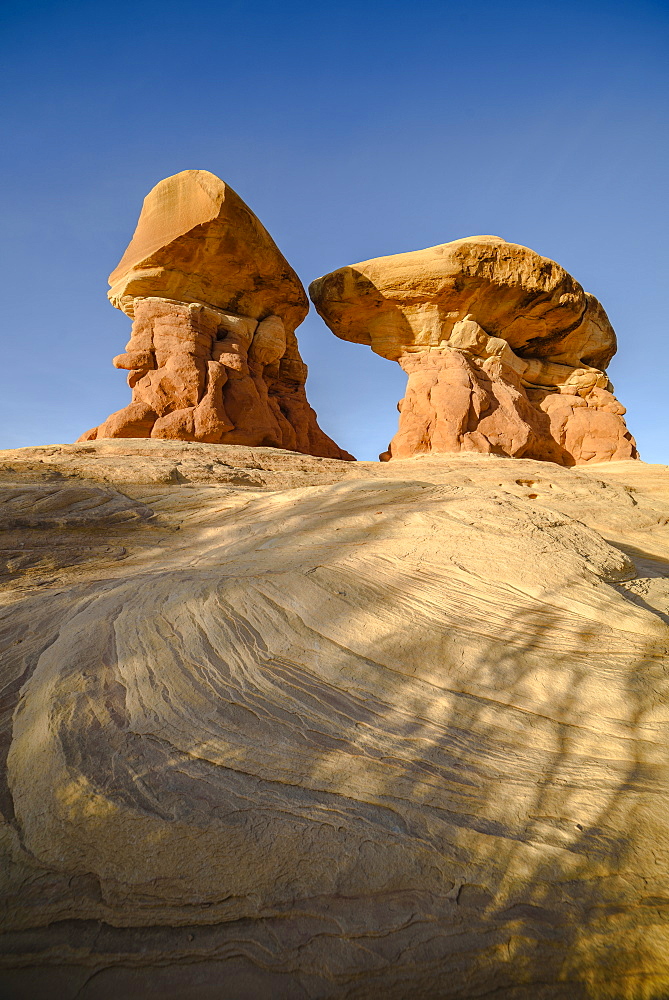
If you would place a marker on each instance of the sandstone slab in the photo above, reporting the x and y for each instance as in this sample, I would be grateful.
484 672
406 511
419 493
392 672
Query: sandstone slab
400 730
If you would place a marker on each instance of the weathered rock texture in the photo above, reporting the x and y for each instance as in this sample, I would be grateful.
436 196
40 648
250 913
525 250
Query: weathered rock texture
352 731
505 352
213 355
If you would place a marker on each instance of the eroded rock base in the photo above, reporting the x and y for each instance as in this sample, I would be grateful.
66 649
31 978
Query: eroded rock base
494 402
202 374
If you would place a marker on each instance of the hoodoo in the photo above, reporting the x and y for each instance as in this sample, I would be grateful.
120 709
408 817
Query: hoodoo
505 352
213 355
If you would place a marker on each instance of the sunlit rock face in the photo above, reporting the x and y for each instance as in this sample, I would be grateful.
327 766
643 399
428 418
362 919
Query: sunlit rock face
213 355
505 352
353 730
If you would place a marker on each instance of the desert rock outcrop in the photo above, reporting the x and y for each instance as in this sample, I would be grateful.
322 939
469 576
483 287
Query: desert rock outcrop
213 355
279 726
505 352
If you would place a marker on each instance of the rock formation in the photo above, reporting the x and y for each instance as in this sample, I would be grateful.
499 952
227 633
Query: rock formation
352 731
213 355
505 352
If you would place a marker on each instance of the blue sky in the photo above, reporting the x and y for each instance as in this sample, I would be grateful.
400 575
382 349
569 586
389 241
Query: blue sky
352 130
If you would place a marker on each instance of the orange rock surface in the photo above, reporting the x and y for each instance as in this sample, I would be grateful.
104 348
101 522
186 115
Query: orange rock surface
505 352
213 355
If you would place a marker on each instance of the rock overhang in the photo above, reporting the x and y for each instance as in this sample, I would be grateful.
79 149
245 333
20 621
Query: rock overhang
514 293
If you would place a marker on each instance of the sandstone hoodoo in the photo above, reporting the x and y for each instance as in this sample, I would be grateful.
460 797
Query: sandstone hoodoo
213 355
505 351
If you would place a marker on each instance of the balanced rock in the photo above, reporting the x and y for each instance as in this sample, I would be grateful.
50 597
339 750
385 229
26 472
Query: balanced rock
213 355
505 352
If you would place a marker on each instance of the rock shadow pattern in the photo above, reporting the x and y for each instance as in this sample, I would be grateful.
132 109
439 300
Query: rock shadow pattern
213 355
374 738
505 352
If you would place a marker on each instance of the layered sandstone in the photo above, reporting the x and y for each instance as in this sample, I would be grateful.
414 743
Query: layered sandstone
505 352
213 355
279 726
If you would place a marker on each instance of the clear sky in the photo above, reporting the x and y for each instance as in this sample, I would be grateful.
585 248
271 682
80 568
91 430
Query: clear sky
352 130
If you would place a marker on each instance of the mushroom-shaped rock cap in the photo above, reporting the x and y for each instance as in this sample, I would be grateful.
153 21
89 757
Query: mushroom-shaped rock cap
410 301
197 241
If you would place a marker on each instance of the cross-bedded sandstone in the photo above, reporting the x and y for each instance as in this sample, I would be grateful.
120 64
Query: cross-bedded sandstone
277 726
